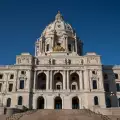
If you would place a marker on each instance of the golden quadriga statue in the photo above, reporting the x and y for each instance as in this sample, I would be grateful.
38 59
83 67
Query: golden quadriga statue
58 48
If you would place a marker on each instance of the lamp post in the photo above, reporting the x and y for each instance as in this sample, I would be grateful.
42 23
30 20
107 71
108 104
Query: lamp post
111 95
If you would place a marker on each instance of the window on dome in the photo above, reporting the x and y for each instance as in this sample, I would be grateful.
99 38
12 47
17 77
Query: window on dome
69 47
47 49
58 44
73 87
58 87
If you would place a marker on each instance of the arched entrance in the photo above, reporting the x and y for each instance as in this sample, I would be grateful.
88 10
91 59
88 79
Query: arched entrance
40 103
57 103
96 100
58 81
75 103
41 81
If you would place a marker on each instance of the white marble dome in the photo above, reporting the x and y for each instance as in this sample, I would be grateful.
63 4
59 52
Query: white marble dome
59 26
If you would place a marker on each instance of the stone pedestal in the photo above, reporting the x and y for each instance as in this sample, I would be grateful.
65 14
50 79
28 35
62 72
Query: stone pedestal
9 111
2 109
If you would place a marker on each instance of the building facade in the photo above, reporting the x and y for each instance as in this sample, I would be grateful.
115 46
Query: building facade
59 76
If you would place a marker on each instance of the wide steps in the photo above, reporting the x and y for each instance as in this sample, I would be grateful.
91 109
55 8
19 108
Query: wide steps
60 115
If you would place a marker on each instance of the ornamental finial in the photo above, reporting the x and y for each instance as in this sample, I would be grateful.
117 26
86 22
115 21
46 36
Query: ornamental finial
59 16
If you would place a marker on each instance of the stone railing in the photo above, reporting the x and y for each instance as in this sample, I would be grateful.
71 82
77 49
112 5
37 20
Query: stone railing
19 115
91 113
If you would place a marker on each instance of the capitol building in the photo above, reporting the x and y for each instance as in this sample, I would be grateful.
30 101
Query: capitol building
59 76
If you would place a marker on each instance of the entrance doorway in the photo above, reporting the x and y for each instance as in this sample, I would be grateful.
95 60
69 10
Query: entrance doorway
75 103
40 103
58 103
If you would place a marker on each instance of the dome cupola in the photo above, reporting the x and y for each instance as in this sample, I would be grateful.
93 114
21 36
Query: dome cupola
57 36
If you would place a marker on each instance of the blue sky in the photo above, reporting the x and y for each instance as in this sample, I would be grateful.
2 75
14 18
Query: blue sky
97 23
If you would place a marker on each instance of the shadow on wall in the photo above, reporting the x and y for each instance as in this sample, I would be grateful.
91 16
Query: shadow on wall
110 87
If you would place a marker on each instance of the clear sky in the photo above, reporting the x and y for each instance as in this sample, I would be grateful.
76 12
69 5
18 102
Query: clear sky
97 23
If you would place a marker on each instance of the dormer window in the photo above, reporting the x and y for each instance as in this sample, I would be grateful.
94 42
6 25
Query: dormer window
47 49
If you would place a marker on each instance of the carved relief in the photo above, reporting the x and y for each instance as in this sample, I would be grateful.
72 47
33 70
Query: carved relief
92 60
24 60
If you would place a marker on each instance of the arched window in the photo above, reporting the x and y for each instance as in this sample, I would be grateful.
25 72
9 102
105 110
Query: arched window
94 84
20 100
8 102
58 81
41 81
74 81
96 100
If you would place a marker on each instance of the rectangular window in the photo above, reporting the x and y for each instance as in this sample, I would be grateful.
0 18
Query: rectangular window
118 87
94 84
47 49
10 87
21 84
11 76
0 87
1 76
69 47
106 87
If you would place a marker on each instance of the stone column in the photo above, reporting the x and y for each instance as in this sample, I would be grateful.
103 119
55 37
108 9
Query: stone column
80 81
15 82
66 44
35 50
68 80
76 45
101 80
83 79
64 80
39 47
51 79
86 81
35 80
47 82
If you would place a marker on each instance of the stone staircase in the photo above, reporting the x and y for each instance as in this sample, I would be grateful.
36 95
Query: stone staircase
83 114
